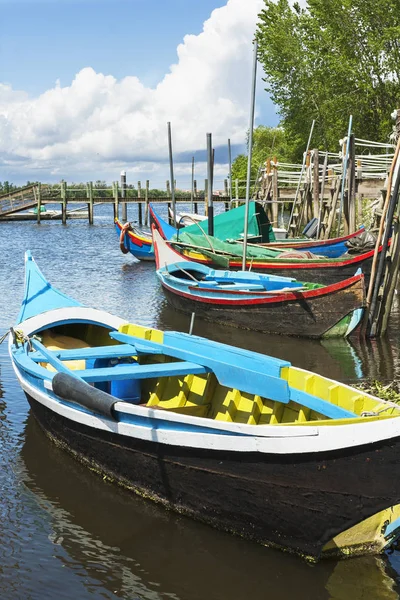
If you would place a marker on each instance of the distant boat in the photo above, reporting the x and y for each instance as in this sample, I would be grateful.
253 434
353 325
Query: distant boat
242 441
229 226
260 302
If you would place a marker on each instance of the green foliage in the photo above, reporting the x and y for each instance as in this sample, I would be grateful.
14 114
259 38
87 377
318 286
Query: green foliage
268 142
330 60
389 391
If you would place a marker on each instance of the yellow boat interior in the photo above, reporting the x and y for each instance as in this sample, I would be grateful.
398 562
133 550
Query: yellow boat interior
202 395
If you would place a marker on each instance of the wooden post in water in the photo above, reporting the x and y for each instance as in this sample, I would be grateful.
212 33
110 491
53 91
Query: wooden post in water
63 194
123 196
210 204
146 206
139 195
226 194
205 197
39 202
89 192
196 208
116 200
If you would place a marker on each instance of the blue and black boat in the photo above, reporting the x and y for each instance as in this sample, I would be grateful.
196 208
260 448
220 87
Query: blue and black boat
244 442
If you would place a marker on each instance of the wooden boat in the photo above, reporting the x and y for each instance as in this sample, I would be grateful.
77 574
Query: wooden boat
332 248
242 441
321 270
136 241
260 302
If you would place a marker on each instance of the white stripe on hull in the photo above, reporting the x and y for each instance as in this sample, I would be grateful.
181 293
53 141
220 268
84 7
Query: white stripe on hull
271 439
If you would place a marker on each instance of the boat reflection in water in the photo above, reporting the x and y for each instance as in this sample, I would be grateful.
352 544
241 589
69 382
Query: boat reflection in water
139 551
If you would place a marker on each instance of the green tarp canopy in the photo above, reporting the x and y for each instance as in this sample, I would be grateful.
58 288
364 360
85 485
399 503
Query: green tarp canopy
230 225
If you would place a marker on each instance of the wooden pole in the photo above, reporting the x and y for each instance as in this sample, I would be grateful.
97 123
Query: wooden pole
321 201
275 193
146 199
196 209
192 187
90 203
371 286
230 170
116 200
210 204
39 202
250 152
205 197
139 194
352 185
316 189
123 196
63 193
344 173
237 189
171 169
381 301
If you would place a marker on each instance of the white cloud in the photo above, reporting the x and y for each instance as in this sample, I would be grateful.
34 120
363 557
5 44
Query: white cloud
99 122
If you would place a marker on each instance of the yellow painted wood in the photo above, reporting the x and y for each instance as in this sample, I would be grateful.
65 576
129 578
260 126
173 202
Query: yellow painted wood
369 532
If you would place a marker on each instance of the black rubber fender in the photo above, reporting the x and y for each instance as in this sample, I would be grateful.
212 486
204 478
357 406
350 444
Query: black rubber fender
79 392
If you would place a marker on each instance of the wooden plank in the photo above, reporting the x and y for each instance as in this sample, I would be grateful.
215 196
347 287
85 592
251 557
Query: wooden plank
116 351
321 406
135 371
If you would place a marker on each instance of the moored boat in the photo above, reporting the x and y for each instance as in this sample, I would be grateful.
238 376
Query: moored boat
326 271
229 225
261 302
242 441
136 241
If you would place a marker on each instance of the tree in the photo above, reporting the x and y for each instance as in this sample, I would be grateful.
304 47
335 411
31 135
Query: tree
327 61
268 142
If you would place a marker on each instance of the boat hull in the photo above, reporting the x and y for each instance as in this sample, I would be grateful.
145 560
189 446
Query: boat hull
321 271
332 248
294 502
138 245
319 313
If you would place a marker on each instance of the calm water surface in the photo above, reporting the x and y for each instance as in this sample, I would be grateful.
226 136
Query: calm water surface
65 533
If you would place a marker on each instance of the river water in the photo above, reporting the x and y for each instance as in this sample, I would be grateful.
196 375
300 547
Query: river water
66 533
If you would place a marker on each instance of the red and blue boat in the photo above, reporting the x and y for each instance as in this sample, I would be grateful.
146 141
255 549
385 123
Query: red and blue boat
260 302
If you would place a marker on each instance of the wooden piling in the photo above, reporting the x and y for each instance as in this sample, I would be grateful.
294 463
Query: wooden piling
89 187
116 199
206 197
63 194
196 208
123 196
39 202
146 206
139 195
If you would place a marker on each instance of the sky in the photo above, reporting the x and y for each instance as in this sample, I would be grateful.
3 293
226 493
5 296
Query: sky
87 87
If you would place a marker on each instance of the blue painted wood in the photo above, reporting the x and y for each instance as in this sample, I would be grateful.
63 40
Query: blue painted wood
40 296
136 371
321 406
233 367
119 351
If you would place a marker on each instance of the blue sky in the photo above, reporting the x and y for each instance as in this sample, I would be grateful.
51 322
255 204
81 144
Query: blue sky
68 68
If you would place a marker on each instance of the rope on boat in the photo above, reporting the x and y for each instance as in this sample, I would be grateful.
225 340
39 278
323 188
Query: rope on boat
3 337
